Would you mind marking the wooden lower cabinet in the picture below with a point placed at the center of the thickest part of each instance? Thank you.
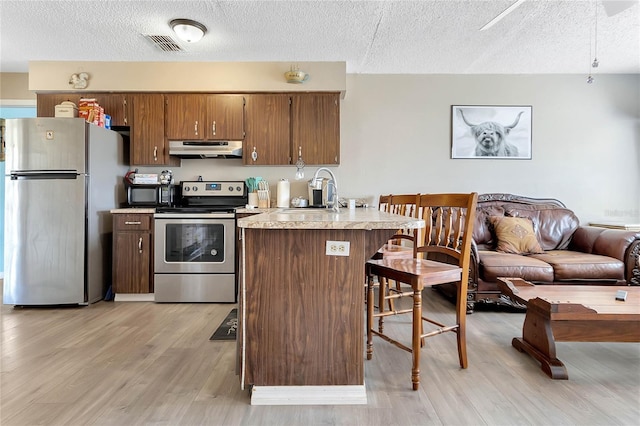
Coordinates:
(132, 253)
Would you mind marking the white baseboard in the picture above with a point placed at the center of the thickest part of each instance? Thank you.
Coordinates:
(309, 395)
(134, 297)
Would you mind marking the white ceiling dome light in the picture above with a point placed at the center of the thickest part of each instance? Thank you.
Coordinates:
(188, 30)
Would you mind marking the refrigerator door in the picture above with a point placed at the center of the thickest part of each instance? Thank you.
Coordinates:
(46, 144)
(44, 239)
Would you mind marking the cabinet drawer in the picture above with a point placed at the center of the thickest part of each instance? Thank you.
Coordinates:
(131, 222)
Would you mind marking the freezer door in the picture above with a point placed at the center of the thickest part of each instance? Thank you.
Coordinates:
(44, 240)
(46, 144)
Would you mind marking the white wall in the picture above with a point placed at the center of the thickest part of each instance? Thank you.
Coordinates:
(395, 137)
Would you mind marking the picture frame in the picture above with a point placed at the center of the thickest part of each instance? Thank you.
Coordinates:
(491, 131)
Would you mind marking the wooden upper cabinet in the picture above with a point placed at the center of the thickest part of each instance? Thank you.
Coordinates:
(46, 102)
(148, 145)
(184, 117)
(204, 117)
(225, 117)
(315, 126)
(114, 104)
(267, 140)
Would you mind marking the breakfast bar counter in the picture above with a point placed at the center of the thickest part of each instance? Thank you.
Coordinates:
(301, 302)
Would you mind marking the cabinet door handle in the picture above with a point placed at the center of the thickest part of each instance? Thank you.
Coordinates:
(140, 245)
(195, 127)
(133, 223)
(213, 128)
(254, 154)
(155, 153)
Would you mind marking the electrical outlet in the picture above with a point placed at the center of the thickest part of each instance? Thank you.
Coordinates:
(337, 248)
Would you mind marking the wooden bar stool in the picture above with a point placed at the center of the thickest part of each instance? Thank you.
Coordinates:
(400, 246)
(441, 255)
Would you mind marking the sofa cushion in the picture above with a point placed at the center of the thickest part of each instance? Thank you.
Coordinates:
(494, 264)
(515, 235)
(573, 265)
(553, 226)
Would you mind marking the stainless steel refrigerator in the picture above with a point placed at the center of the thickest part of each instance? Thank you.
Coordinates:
(63, 176)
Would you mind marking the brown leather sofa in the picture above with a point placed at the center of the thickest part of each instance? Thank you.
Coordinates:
(571, 253)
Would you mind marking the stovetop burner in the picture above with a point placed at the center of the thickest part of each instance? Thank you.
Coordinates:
(198, 197)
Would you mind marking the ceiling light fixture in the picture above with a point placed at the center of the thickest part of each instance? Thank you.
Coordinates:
(188, 30)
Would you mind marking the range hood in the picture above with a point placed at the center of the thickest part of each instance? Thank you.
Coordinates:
(206, 149)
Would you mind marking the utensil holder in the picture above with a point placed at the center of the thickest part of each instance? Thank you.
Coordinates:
(264, 199)
(253, 199)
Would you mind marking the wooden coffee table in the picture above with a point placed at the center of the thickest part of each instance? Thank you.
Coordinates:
(571, 313)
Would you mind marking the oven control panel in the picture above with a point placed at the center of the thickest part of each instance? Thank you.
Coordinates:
(228, 188)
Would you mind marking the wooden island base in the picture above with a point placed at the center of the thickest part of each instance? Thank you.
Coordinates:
(301, 305)
(571, 313)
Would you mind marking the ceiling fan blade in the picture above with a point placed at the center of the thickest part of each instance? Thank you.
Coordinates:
(504, 13)
(613, 7)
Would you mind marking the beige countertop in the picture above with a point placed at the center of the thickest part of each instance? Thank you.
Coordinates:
(360, 218)
(254, 210)
(134, 210)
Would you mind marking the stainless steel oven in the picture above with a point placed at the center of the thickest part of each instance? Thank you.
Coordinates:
(194, 250)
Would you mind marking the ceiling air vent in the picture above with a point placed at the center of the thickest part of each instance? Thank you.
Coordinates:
(164, 43)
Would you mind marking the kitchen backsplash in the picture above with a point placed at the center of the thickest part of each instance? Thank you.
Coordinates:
(231, 169)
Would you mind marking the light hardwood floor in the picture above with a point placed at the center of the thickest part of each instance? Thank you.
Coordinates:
(138, 363)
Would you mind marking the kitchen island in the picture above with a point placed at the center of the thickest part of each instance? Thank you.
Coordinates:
(301, 302)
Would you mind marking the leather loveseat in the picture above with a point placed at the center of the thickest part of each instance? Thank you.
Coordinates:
(565, 253)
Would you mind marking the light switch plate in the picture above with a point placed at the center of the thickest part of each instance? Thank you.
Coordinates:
(337, 248)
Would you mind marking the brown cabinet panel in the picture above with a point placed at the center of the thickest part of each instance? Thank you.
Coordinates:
(315, 126)
(185, 116)
(204, 117)
(285, 304)
(148, 144)
(225, 117)
(267, 130)
(131, 222)
(132, 253)
(46, 102)
(114, 104)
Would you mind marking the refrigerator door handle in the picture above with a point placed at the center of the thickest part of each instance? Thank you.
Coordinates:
(38, 175)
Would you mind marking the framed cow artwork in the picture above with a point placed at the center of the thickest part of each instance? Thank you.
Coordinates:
(491, 132)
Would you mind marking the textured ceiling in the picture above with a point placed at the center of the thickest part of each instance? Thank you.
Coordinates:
(372, 37)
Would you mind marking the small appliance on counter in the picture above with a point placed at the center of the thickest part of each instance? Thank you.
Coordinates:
(144, 189)
(320, 193)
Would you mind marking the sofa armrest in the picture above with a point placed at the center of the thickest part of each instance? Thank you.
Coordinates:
(617, 243)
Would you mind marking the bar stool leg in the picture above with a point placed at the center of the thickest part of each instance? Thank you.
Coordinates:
(416, 340)
(369, 316)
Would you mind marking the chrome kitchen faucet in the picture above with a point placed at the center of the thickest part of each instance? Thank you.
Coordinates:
(333, 202)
